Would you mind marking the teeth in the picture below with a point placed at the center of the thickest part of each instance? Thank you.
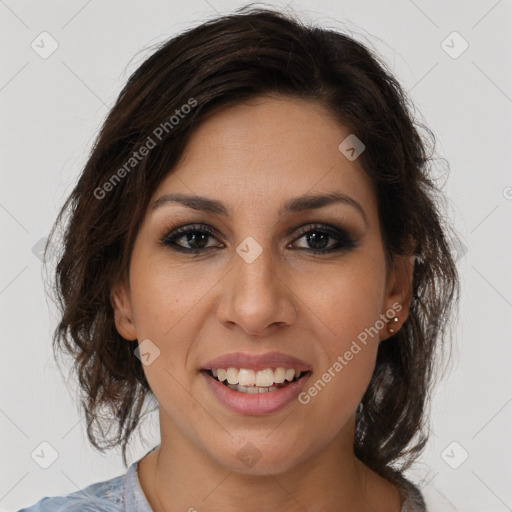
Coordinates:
(279, 375)
(290, 375)
(251, 389)
(264, 378)
(248, 378)
(232, 375)
(257, 379)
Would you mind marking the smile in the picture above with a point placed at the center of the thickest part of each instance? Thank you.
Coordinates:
(261, 381)
(254, 399)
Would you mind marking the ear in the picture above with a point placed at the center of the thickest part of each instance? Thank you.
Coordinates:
(123, 312)
(398, 296)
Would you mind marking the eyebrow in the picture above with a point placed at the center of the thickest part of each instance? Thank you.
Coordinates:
(296, 204)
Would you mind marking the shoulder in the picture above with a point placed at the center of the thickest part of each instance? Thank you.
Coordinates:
(105, 496)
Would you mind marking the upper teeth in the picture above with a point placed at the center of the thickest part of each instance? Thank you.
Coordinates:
(260, 378)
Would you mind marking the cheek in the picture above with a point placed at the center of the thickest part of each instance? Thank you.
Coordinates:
(168, 306)
(349, 304)
(349, 299)
(160, 308)
(347, 356)
(166, 295)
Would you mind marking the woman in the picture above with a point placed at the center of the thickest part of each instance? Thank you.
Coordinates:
(254, 242)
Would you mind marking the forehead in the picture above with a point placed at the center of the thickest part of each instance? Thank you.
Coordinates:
(269, 148)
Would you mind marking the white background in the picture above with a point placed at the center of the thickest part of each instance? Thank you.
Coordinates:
(51, 110)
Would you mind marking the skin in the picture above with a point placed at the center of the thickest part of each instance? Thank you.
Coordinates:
(253, 157)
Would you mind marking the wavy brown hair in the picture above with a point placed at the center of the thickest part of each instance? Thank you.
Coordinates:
(229, 59)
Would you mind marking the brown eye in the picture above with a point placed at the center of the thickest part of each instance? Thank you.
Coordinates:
(318, 235)
(195, 236)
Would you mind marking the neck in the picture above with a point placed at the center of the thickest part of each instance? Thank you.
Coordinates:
(177, 476)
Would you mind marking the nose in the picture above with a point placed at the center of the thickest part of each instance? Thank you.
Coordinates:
(255, 296)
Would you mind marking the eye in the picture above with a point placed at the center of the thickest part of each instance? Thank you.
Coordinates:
(196, 235)
(316, 235)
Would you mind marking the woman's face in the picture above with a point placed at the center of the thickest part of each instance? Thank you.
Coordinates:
(255, 286)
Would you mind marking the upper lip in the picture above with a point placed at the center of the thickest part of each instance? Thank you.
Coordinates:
(257, 361)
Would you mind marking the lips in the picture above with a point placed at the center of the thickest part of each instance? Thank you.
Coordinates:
(257, 361)
(258, 403)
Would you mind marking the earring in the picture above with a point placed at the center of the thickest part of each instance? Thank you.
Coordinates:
(359, 408)
(391, 329)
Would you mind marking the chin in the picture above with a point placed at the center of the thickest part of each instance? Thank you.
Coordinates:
(253, 457)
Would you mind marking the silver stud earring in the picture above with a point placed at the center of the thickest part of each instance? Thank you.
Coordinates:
(391, 328)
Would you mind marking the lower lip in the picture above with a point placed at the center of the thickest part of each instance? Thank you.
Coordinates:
(255, 403)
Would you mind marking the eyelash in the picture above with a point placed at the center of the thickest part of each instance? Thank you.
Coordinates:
(345, 241)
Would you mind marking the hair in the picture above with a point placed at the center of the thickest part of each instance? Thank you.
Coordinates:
(225, 61)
